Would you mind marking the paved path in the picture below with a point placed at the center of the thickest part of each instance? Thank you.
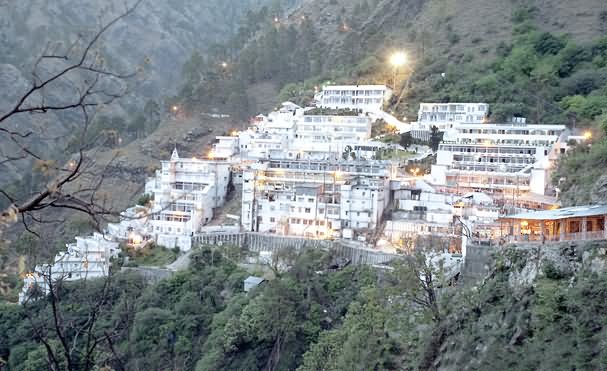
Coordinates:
(183, 262)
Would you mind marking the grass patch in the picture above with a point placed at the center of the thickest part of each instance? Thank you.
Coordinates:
(396, 155)
(152, 256)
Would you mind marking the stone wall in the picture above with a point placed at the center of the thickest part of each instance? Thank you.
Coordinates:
(259, 242)
(479, 259)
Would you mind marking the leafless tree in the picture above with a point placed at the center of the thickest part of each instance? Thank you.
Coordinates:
(91, 85)
(75, 339)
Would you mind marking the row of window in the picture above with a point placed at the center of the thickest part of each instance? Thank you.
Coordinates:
(453, 107)
(320, 223)
(366, 93)
(354, 101)
(496, 150)
(189, 186)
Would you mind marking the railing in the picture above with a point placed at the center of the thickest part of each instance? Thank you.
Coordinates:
(578, 236)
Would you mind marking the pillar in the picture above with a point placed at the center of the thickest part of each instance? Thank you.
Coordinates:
(542, 230)
(563, 224)
(584, 228)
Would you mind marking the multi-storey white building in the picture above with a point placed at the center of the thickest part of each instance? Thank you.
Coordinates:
(319, 199)
(296, 133)
(186, 192)
(88, 258)
(446, 116)
(513, 158)
(368, 98)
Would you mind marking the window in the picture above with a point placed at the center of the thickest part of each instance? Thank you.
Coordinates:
(310, 200)
(308, 210)
(272, 220)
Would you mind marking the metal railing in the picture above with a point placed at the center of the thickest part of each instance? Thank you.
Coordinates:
(578, 236)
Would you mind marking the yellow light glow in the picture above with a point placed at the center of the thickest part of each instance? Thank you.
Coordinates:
(224, 65)
(175, 108)
(398, 59)
(135, 238)
(211, 155)
(588, 135)
(337, 174)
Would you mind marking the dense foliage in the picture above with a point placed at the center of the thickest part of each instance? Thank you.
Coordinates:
(197, 319)
(314, 318)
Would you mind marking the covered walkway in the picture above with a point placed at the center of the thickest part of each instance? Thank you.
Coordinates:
(568, 224)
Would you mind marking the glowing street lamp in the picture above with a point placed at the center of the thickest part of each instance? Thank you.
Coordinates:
(175, 108)
(224, 65)
(397, 60)
(587, 135)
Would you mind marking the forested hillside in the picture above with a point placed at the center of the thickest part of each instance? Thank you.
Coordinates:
(545, 313)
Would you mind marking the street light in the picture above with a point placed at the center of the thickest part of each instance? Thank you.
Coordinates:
(587, 135)
(397, 60)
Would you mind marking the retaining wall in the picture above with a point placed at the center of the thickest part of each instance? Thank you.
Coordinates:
(258, 242)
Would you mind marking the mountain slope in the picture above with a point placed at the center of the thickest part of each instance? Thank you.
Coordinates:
(157, 38)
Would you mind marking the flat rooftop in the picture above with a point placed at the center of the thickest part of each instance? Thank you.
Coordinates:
(564, 213)
(355, 87)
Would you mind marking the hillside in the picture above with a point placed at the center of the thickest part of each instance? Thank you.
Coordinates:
(538, 309)
(156, 40)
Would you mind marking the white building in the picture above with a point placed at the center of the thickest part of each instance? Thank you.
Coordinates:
(186, 192)
(447, 116)
(506, 158)
(444, 115)
(133, 226)
(296, 133)
(88, 258)
(318, 199)
(225, 148)
(368, 98)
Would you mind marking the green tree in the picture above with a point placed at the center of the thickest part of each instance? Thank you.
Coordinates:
(406, 140)
(436, 137)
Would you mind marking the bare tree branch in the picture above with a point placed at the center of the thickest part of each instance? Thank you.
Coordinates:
(98, 86)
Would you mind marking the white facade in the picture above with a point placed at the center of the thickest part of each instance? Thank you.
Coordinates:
(88, 258)
(133, 226)
(315, 199)
(186, 193)
(293, 133)
(368, 98)
(226, 147)
(444, 115)
(513, 157)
